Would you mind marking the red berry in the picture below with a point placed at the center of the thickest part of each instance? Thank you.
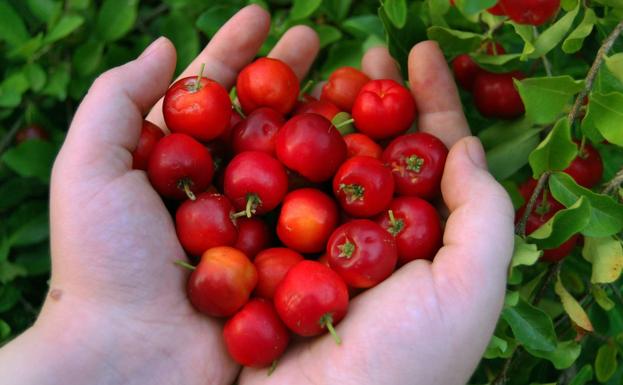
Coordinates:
(258, 131)
(311, 146)
(179, 164)
(311, 299)
(321, 107)
(222, 282)
(363, 186)
(200, 110)
(416, 226)
(495, 95)
(587, 168)
(417, 162)
(383, 109)
(465, 71)
(205, 223)
(361, 145)
(497, 10)
(532, 12)
(31, 131)
(150, 135)
(362, 253)
(343, 87)
(267, 83)
(255, 336)
(253, 236)
(272, 265)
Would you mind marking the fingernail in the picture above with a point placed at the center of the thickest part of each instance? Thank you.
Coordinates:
(475, 152)
(153, 47)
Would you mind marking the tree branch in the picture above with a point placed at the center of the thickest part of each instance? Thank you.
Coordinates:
(520, 229)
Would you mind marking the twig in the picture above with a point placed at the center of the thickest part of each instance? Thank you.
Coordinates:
(501, 378)
(546, 62)
(552, 271)
(592, 73)
(520, 229)
(9, 135)
(614, 183)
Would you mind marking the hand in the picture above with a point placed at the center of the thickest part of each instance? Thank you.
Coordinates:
(117, 305)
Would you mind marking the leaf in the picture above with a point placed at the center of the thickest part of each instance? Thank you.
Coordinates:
(556, 152)
(31, 158)
(572, 307)
(606, 255)
(471, 7)
(562, 357)
(57, 83)
(396, 11)
(12, 88)
(606, 214)
(34, 230)
(453, 41)
(116, 18)
(35, 75)
(212, 19)
(9, 271)
(363, 26)
(302, 9)
(583, 376)
(545, 98)
(606, 362)
(176, 27)
(573, 42)
(551, 37)
(524, 254)
(87, 57)
(531, 326)
(45, 10)
(9, 295)
(563, 225)
(615, 65)
(607, 113)
(337, 10)
(327, 34)
(601, 297)
(12, 27)
(67, 25)
(340, 54)
(5, 330)
(506, 158)
(499, 348)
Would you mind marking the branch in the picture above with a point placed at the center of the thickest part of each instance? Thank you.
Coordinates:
(614, 183)
(9, 135)
(520, 229)
(552, 271)
(592, 73)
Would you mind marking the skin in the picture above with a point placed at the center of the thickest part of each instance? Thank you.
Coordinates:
(117, 308)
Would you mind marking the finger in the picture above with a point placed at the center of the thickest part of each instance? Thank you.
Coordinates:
(478, 238)
(377, 63)
(235, 45)
(298, 48)
(439, 108)
(107, 124)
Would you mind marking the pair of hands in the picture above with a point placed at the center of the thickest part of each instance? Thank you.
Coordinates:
(117, 310)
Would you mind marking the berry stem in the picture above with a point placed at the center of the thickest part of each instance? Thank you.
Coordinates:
(346, 249)
(185, 184)
(198, 81)
(308, 86)
(184, 264)
(272, 368)
(327, 322)
(395, 225)
(581, 152)
(343, 123)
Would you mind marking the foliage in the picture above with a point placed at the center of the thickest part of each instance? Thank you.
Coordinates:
(561, 323)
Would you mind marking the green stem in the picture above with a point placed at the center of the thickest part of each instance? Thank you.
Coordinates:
(184, 264)
(185, 184)
(198, 81)
(327, 322)
(272, 368)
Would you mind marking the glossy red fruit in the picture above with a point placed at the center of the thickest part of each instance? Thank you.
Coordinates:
(272, 265)
(417, 162)
(222, 282)
(466, 69)
(179, 166)
(311, 299)
(343, 86)
(362, 253)
(150, 135)
(258, 131)
(587, 168)
(384, 109)
(495, 95)
(497, 10)
(31, 131)
(255, 336)
(532, 12)
(267, 83)
(415, 225)
(199, 109)
(363, 186)
(205, 223)
(253, 236)
(307, 219)
(311, 146)
(321, 107)
(226, 136)
(255, 182)
(361, 145)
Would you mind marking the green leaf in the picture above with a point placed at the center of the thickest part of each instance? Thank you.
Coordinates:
(9, 271)
(531, 326)
(453, 41)
(551, 37)
(45, 10)
(606, 255)
(176, 27)
(499, 348)
(364, 25)
(337, 10)
(12, 88)
(31, 158)
(606, 214)
(524, 254)
(9, 295)
(396, 11)
(563, 225)
(573, 43)
(607, 113)
(606, 362)
(36, 229)
(57, 83)
(302, 9)
(506, 158)
(572, 307)
(12, 27)
(556, 152)
(545, 98)
(583, 376)
(5, 330)
(87, 57)
(211, 20)
(602, 298)
(67, 25)
(615, 65)
(327, 34)
(340, 54)
(471, 7)
(116, 18)
(565, 354)
(36, 76)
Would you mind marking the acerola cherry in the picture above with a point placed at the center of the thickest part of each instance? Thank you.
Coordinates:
(253, 236)
(417, 161)
(587, 168)
(205, 222)
(199, 107)
(307, 219)
(311, 146)
(497, 10)
(495, 95)
(272, 265)
(222, 282)
(150, 135)
(361, 145)
(267, 83)
(258, 131)
(255, 336)
(321, 107)
(255, 182)
(466, 69)
(383, 109)
(343, 87)
(362, 253)
(532, 12)
(179, 166)
(31, 131)
(363, 186)
(311, 299)
(416, 226)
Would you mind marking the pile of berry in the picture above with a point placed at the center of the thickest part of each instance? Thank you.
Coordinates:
(347, 210)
